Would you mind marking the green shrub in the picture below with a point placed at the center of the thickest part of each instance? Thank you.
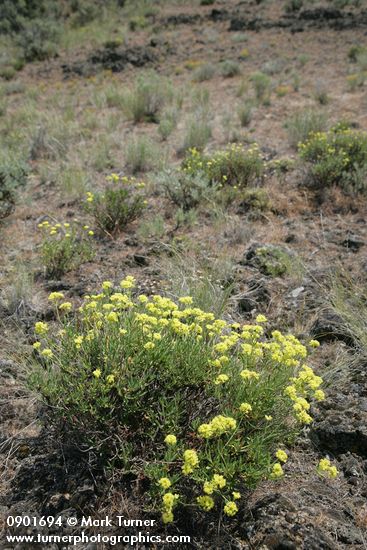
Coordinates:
(229, 69)
(337, 157)
(245, 113)
(236, 165)
(355, 51)
(119, 204)
(198, 132)
(141, 154)
(302, 124)
(147, 98)
(64, 247)
(261, 83)
(204, 72)
(200, 408)
(13, 173)
(184, 189)
(167, 123)
(38, 39)
(355, 81)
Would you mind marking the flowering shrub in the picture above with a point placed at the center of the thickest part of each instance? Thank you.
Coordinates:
(236, 165)
(119, 204)
(199, 407)
(336, 157)
(65, 246)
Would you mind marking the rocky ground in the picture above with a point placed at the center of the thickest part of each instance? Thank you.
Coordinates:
(324, 236)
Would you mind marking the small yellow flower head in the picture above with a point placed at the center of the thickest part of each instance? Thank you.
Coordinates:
(67, 235)
(236, 495)
(122, 331)
(128, 282)
(167, 516)
(110, 379)
(106, 285)
(170, 439)
(191, 461)
(245, 408)
(205, 502)
(247, 374)
(169, 499)
(41, 328)
(65, 306)
(47, 353)
(230, 509)
(325, 468)
(261, 319)
(319, 395)
(66, 225)
(281, 455)
(221, 379)
(91, 233)
(149, 345)
(219, 481)
(268, 417)
(112, 317)
(37, 345)
(90, 197)
(97, 373)
(186, 300)
(314, 343)
(208, 488)
(165, 483)
(277, 471)
(78, 340)
(54, 296)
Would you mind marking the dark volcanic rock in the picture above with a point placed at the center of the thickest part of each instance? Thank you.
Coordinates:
(114, 59)
(257, 295)
(330, 326)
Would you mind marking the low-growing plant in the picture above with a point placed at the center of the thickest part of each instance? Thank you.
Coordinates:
(141, 154)
(118, 204)
(303, 123)
(261, 83)
(337, 157)
(355, 81)
(235, 165)
(204, 72)
(185, 189)
(229, 69)
(203, 409)
(147, 98)
(254, 200)
(198, 132)
(167, 123)
(13, 173)
(65, 246)
(245, 112)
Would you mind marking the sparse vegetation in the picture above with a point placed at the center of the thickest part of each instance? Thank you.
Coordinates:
(64, 247)
(303, 123)
(119, 204)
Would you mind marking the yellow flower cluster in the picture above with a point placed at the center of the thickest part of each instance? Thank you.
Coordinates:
(217, 482)
(230, 509)
(169, 500)
(325, 467)
(305, 384)
(191, 461)
(218, 426)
